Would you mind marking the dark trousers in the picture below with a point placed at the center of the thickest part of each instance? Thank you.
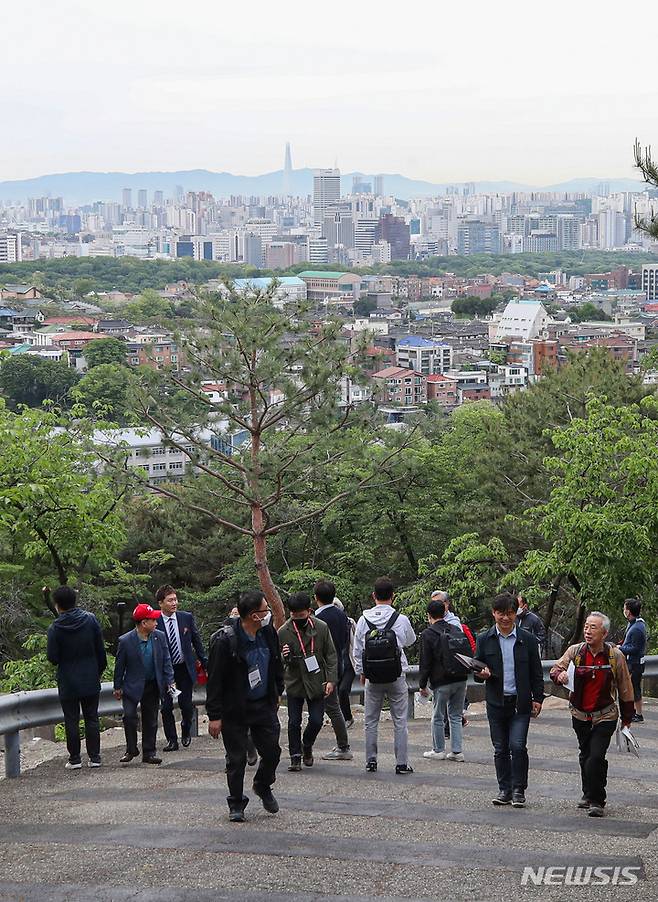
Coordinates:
(636, 672)
(509, 735)
(593, 742)
(185, 684)
(71, 708)
(149, 704)
(313, 727)
(260, 720)
(344, 687)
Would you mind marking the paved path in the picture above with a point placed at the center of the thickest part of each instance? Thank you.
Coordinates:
(137, 833)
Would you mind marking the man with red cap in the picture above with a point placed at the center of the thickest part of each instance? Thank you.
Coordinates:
(143, 673)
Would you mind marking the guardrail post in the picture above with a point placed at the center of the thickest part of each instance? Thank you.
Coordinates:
(12, 755)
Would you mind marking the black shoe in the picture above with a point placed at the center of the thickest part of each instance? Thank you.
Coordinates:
(637, 718)
(128, 757)
(252, 758)
(307, 757)
(371, 766)
(584, 803)
(518, 799)
(269, 802)
(152, 759)
(185, 741)
(503, 798)
(236, 810)
(403, 769)
(295, 763)
(171, 747)
(596, 810)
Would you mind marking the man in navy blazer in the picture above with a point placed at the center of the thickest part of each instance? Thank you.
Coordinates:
(514, 694)
(142, 676)
(185, 646)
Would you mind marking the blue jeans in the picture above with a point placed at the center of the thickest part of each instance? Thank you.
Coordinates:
(448, 698)
(509, 735)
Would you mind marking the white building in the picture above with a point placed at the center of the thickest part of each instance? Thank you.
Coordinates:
(326, 191)
(10, 248)
(650, 281)
(424, 355)
(521, 319)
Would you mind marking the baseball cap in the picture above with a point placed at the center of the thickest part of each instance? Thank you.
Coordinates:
(145, 612)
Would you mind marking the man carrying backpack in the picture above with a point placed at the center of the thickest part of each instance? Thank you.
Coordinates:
(381, 635)
(447, 677)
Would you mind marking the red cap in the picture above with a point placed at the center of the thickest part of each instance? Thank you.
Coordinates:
(145, 612)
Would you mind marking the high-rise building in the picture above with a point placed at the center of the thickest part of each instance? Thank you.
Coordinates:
(158, 198)
(395, 231)
(253, 250)
(378, 186)
(326, 191)
(318, 251)
(568, 233)
(477, 237)
(649, 279)
(287, 172)
(127, 198)
(142, 198)
(10, 248)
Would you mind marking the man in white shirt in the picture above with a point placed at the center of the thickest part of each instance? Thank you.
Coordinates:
(378, 618)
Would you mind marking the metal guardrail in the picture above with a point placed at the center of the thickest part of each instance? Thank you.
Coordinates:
(25, 710)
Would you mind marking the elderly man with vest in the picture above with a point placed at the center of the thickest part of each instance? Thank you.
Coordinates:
(600, 680)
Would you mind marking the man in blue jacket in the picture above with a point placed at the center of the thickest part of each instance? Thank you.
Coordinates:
(75, 645)
(185, 647)
(514, 694)
(634, 648)
(142, 676)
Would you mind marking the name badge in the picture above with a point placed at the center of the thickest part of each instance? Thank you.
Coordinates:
(254, 678)
(312, 664)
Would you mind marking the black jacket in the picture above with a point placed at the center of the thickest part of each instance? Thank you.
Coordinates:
(75, 645)
(533, 624)
(527, 669)
(430, 669)
(226, 690)
(339, 627)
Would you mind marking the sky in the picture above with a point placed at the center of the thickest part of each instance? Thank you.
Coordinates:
(453, 91)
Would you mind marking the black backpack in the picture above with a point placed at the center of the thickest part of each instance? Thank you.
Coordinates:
(452, 641)
(382, 658)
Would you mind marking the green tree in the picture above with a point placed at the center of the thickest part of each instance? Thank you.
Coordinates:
(82, 287)
(31, 380)
(105, 391)
(55, 507)
(589, 312)
(601, 518)
(285, 384)
(474, 306)
(105, 350)
(149, 307)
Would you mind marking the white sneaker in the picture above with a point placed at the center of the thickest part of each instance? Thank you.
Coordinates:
(91, 763)
(71, 766)
(455, 756)
(432, 754)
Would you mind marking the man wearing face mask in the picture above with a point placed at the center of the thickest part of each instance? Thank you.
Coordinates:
(245, 681)
(529, 621)
(310, 661)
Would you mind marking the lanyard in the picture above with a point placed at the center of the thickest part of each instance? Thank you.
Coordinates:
(301, 641)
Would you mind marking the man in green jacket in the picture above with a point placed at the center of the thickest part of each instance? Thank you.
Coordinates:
(310, 674)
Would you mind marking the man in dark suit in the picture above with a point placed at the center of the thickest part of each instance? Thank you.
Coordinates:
(339, 627)
(142, 676)
(514, 694)
(75, 645)
(185, 646)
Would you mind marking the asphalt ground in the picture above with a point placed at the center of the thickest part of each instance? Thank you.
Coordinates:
(143, 833)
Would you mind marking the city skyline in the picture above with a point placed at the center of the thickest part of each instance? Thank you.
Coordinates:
(458, 95)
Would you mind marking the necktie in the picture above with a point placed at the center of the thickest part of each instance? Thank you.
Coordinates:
(173, 643)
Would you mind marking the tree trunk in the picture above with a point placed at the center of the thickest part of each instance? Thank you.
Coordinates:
(578, 627)
(263, 569)
(552, 598)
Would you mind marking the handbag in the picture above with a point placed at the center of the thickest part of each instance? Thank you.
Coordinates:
(201, 675)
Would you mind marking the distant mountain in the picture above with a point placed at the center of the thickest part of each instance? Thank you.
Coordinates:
(87, 187)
